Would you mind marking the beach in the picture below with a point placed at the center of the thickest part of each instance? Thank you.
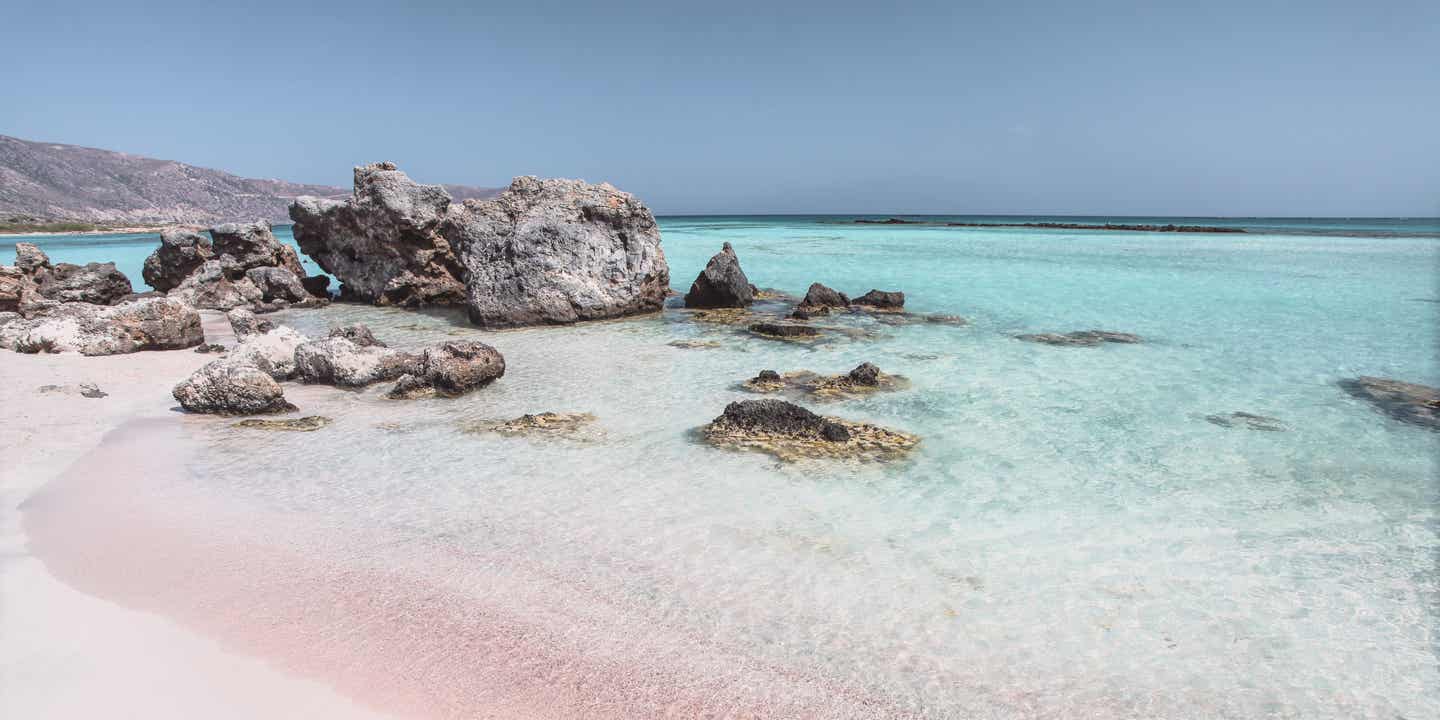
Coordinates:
(1072, 537)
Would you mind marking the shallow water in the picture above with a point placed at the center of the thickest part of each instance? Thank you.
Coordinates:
(1070, 539)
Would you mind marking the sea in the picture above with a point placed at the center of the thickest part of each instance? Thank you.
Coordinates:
(1072, 538)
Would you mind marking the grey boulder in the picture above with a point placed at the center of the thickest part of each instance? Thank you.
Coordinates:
(90, 329)
(721, 284)
(97, 283)
(452, 369)
(277, 283)
(340, 362)
(181, 253)
(231, 386)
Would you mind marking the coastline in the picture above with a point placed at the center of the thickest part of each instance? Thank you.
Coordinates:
(69, 654)
(126, 230)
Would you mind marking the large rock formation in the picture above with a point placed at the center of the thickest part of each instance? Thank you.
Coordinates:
(253, 245)
(544, 251)
(721, 284)
(89, 329)
(384, 243)
(181, 252)
(245, 266)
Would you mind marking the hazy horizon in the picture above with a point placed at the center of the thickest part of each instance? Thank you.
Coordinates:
(1232, 110)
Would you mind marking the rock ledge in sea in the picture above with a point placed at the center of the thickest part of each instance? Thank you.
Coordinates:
(790, 432)
(544, 423)
(1406, 402)
(1081, 338)
(865, 379)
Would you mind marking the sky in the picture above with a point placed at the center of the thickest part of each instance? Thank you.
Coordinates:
(1214, 108)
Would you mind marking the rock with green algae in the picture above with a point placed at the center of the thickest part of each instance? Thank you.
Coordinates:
(545, 423)
(864, 380)
(309, 423)
(790, 432)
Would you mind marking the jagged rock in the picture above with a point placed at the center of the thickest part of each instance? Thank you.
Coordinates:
(358, 334)
(791, 432)
(1248, 421)
(783, 330)
(451, 369)
(317, 285)
(277, 283)
(865, 374)
(384, 244)
(1406, 402)
(14, 286)
(1082, 338)
(244, 323)
(309, 423)
(231, 386)
(545, 423)
(218, 284)
(95, 283)
(180, 254)
(768, 376)
(272, 351)
(881, 300)
(30, 259)
(338, 361)
(252, 245)
(90, 329)
(722, 284)
(558, 251)
(819, 296)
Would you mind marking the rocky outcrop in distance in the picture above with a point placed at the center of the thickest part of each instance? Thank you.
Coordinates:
(541, 252)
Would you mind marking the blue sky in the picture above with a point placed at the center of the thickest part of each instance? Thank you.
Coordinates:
(1218, 108)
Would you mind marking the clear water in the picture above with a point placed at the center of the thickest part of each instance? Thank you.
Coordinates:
(1071, 538)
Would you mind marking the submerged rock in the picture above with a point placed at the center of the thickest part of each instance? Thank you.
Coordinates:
(1406, 402)
(863, 380)
(340, 362)
(1248, 421)
(1082, 338)
(790, 432)
(231, 386)
(451, 369)
(881, 300)
(181, 253)
(545, 423)
(90, 329)
(86, 390)
(722, 284)
(309, 423)
(695, 344)
(784, 330)
(95, 283)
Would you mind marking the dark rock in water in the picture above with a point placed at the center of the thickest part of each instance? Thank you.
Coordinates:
(90, 329)
(208, 348)
(819, 296)
(777, 417)
(231, 386)
(451, 369)
(340, 362)
(253, 245)
(384, 243)
(542, 252)
(889, 221)
(30, 259)
(317, 285)
(1406, 402)
(881, 300)
(86, 390)
(359, 334)
(1248, 421)
(545, 423)
(1083, 338)
(721, 284)
(95, 283)
(783, 330)
(791, 432)
(940, 319)
(180, 254)
(804, 312)
(309, 423)
(277, 283)
(768, 376)
(865, 374)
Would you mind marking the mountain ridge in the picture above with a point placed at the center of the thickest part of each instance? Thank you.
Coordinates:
(57, 182)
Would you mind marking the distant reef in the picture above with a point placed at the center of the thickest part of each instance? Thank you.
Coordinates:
(49, 187)
(1060, 226)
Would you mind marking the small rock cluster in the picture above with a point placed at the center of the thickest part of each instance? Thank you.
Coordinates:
(240, 265)
(790, 432)
(865, 379)
(247, 380)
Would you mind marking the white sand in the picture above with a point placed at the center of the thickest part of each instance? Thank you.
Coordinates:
(64, 654)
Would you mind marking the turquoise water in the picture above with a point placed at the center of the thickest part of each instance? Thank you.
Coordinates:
(1071, 538)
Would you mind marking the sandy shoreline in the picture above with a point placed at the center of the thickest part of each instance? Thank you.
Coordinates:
(66, 654)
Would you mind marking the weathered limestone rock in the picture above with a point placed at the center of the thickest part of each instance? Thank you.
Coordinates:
(881, 300)
(790, 432)
(384, 244)
(253, 245)
(273, 351)
(1406, 402)
(96, 283)
(90, 329)
(317, 285)
(558, 251)
(231, 386)
(277, 283)
(218, 284)
(14, 285)
(309, 423)
(340, 362)
(358, 333)
(181, 253)
(30, 259)
(542, 424)
(244, 323)
(451, 369)
(721, 284)
(819, 296)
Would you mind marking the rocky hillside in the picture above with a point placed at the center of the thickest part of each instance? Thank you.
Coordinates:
(50, 182)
